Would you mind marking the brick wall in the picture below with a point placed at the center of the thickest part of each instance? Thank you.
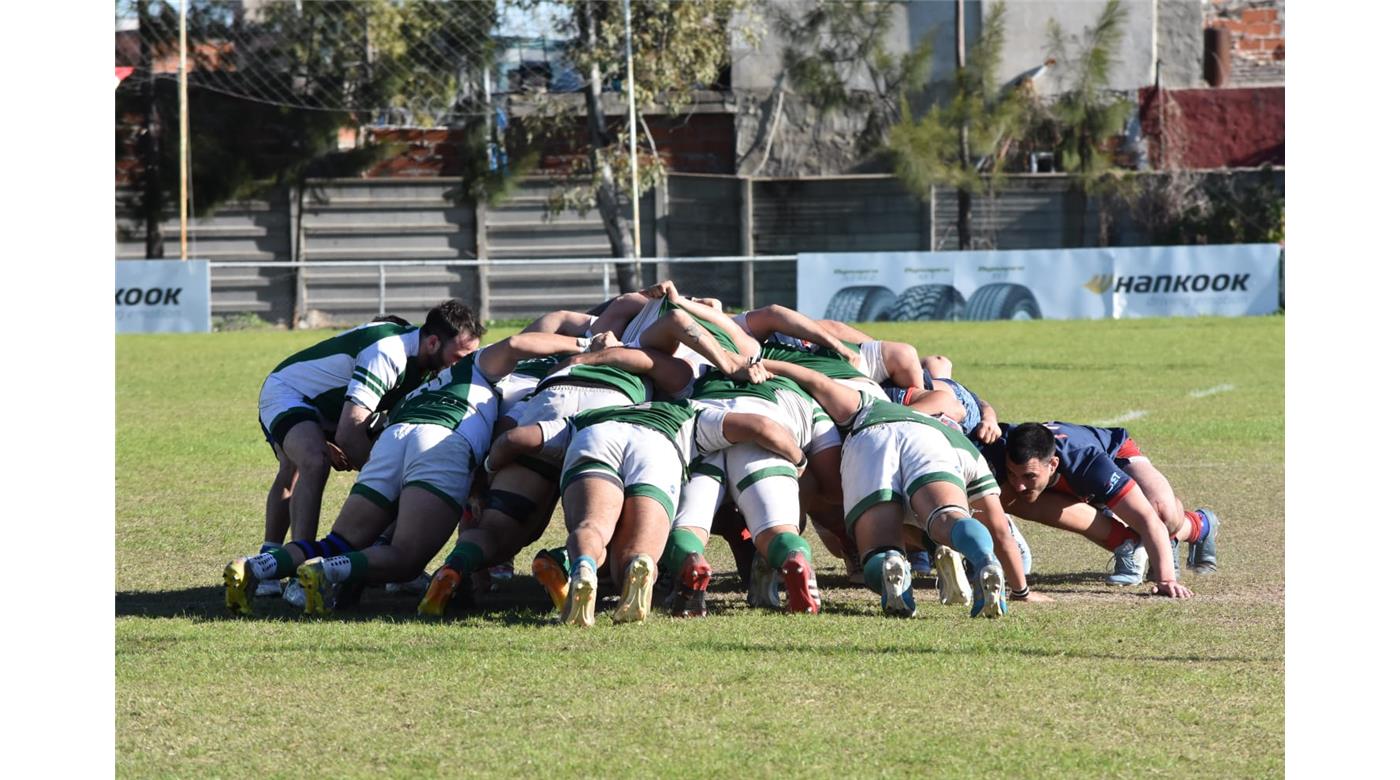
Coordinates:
(1256, 30)
(1214, 128)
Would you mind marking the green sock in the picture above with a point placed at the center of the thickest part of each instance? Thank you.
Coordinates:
(678, 545)
(465, 558)
(285, 566)
(783, 545)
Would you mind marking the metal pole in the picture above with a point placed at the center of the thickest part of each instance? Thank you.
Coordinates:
(632, 125)
(381, 289)
(606, 284)
(184, 140)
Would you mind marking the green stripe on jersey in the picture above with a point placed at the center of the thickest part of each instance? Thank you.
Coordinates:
(370, 380)
(821, 360)
(667, 417)
(626, 383)
(540, 368)
(715, 330)
(351, 342)
(878, 412)
(448, 404)
(714, 384)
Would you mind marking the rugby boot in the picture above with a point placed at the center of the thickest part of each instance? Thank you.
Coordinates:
(689, 597)
(268, 589)
(989, 592)
(441, 589)
(897, 591)
(239, 585)
(800, 579)
(952, 576)
(581, 598)
(549, 570)
(1129, 563)
(1200, 555)
(763, 585)
(320, 592)
(293, 594)
(414, 587)
(637, 580)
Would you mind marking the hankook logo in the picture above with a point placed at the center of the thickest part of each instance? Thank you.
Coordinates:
(1099, 283)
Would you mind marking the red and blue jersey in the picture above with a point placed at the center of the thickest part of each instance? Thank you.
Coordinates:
(1091, 461)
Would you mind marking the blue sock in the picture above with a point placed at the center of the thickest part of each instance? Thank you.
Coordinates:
(1205, 525)
(874, 569)
(974, 541)
(581, 560)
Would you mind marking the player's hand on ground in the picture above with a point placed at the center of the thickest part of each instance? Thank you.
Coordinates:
(986, 433)
(337, 456)
(1171, 589)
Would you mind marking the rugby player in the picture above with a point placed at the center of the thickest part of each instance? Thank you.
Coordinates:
(765, 490)
(895, 460)
(315, 406)
(419, 472)
(524, 489)
(1063, 475)
(623, 472)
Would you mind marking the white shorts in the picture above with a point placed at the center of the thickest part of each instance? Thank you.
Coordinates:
(640, 460)
(280, 406)
(513, 390)
(762, 485)
(558, 401)
(889, 462)
(872, 361)
(427, 456)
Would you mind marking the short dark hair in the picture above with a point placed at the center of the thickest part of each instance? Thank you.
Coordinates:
(449, 318)
(1029, 440)
(394, 318)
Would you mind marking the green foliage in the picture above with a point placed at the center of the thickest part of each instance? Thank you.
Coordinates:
(833, 44)
(677, 47)
(927, 150)
(1087, 115)
(1233, 210)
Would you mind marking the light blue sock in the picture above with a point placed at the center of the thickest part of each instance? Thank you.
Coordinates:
(974, 541)
(582, 560)
(874, 569)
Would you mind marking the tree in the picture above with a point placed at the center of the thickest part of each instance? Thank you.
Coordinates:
(836, 60)
(677, 47)
(980, 121)
(270, 91)
(1088, 116)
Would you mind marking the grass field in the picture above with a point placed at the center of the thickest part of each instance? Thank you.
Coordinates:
(1105, 682)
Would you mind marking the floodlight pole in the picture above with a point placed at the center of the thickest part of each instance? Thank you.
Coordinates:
(184, 139)
(632, 124)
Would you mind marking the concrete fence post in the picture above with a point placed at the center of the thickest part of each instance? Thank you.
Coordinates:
(746, 242)
(483, 274)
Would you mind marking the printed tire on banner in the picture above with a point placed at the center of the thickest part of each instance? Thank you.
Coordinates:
(1002, 301)
(865, 303)
(928, 302)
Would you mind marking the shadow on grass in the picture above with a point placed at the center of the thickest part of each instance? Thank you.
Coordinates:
(1008, 649)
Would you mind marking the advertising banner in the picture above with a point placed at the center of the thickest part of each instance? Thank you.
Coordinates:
(163, 296)
(1113, 282)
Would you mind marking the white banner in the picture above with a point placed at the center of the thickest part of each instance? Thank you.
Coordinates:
(1056, 284)
(163, 296)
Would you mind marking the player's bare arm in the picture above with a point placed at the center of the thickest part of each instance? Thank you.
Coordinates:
(742, 428)
(839, 401)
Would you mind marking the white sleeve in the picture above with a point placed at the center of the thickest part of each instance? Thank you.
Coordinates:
(709, 430)
(557, 435)
(376, 372)
(742, 320)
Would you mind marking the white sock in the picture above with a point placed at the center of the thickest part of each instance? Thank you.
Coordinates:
(264, 566)
(337, 569)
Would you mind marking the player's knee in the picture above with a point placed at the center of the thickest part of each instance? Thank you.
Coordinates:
(313, 462)
(518, 508)
(946, 514)
(939, 366)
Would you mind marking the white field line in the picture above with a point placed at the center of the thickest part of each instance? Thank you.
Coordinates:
(1136, 414)
(1211, 391)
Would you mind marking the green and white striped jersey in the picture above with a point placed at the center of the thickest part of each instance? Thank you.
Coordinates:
(461, 398)
(779, 398)
(636, 388)
(361, 365)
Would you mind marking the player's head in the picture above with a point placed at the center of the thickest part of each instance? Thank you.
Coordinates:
(1030, 460)
(394, 318)
(450, 333)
